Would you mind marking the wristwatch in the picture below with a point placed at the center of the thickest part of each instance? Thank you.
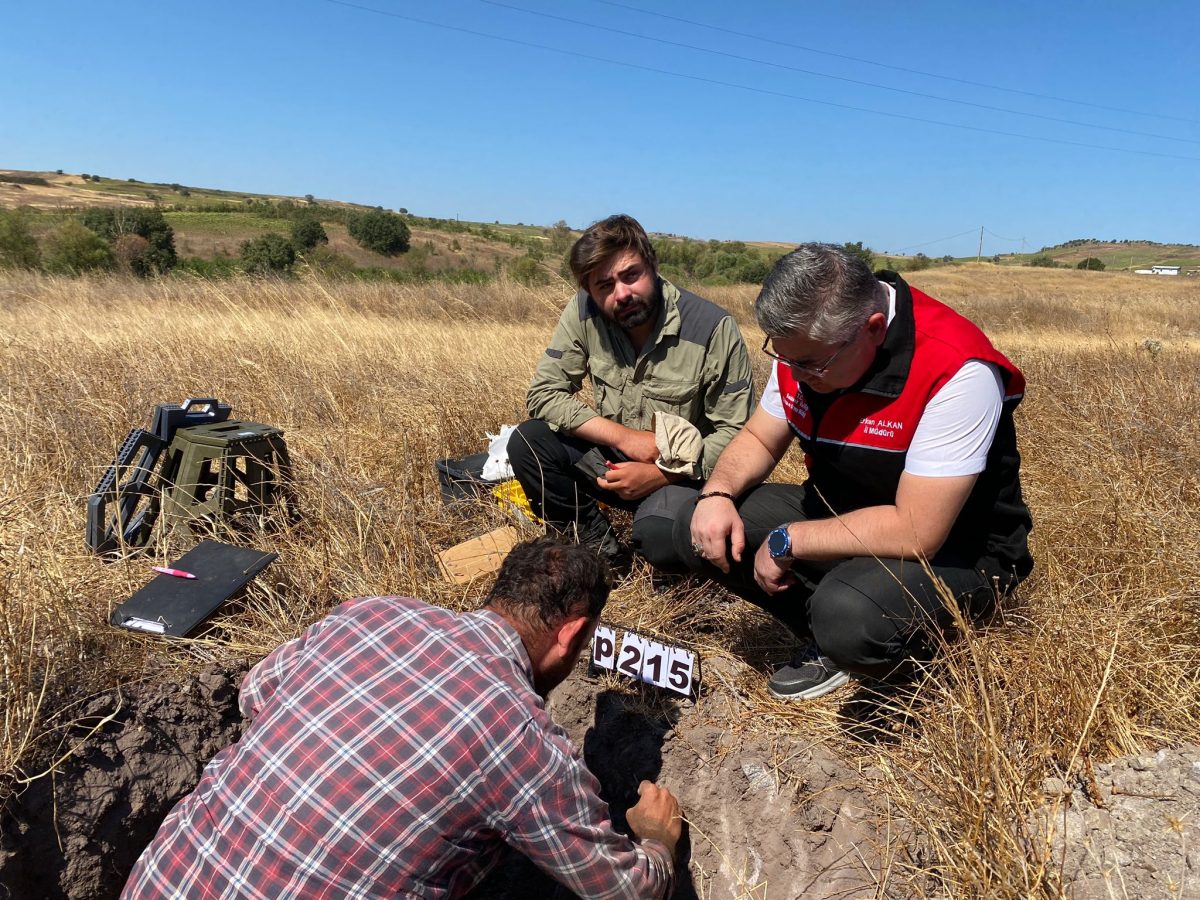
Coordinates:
(779, 542)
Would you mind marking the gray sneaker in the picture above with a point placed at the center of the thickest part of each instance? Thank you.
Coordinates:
(809, 675)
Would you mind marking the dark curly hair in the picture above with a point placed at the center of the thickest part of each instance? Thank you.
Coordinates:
(547, 580)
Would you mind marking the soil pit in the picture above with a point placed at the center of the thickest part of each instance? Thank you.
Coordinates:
(767, 819)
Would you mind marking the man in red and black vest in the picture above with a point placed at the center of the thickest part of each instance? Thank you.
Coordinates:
(904, 411)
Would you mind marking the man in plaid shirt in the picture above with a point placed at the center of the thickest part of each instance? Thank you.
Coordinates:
(395, 748)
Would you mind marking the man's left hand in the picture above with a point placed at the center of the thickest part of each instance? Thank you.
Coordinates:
(632, 480)
(773, 575)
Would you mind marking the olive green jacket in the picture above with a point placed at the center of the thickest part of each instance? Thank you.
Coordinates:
(693, 365)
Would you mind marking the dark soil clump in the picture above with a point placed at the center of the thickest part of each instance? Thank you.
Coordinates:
(77, 832)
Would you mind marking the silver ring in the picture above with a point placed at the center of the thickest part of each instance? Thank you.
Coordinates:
(698, 549)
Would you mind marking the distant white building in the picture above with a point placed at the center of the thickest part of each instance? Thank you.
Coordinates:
(1158, 270)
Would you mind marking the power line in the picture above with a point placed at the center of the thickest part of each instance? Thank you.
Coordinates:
(938, 241)
(871, 62)
(757, 90)
(1002, 237)
(819, 74)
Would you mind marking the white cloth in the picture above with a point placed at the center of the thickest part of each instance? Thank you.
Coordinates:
(497, 467)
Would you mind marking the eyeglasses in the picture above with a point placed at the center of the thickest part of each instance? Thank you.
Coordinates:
(806, 368)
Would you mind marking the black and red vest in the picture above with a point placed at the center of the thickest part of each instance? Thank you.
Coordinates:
(855, 441)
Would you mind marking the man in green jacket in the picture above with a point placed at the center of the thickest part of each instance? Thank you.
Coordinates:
(671, 386)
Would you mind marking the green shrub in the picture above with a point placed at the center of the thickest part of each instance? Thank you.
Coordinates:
(329, 263)
(217, 267)
(753, 271)
(159, 256)
(129, 252)
(268, 254)
(1091, 264)
(73, 248)
(381, 231)
(714, 262)
(527, 270)
(23, 179)
(1043, 261)
(916, 263)
(18, 246)
(307, 233)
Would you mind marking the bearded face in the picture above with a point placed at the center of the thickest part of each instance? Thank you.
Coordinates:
(626, 290)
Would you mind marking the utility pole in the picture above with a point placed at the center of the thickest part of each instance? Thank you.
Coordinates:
(979, 253)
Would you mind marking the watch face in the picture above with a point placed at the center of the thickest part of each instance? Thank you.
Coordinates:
(778, 543)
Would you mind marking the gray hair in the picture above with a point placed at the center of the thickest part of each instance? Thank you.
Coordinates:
(820, 291)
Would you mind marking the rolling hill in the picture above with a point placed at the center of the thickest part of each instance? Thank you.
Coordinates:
(211, 224)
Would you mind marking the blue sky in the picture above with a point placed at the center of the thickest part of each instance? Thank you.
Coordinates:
(734, 130)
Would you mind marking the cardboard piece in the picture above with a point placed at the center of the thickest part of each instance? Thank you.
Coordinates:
(173, 606)
(479, 556)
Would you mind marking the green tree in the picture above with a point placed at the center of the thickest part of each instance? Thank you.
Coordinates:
(159, 256)
(863, 253)
(1091, 264)
(919, 262)
(73, 248)
(268, 254)
(307, 233)
(381, 231)
(560, 236)
(18, 246)
(1042, 261)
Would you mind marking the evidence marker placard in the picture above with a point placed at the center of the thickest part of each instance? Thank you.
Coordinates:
(642, 659)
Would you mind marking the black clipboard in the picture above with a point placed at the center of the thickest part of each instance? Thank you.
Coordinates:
(173, 606)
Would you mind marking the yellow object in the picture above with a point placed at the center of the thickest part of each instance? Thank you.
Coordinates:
(511, 497)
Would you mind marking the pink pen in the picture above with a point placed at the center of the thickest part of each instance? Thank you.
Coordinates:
(178, 573)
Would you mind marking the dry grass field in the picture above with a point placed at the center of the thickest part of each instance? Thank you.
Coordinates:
(1100, 657)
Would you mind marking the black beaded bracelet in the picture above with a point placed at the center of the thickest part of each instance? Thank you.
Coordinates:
(708, 494)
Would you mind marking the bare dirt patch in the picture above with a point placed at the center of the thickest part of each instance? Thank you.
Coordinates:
(63, 191)
(767, 818)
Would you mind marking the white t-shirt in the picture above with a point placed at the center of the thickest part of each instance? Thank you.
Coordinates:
(959, 422)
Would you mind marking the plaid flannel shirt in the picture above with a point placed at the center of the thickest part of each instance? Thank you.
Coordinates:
(394, 749)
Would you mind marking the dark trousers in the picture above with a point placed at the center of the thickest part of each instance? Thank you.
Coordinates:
(868, 615)
(543, 461)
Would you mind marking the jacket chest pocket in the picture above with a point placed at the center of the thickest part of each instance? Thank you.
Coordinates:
(608, 384)
(678, 397)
